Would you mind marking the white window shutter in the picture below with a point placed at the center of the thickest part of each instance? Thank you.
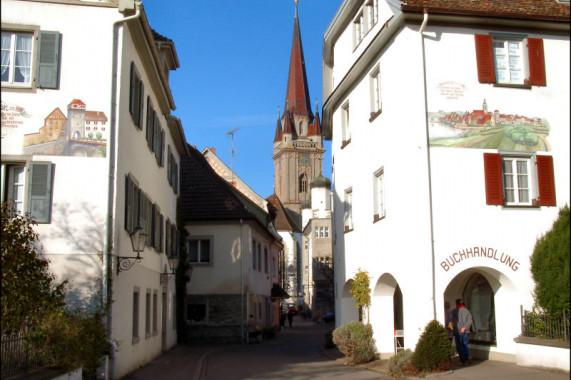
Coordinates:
(40, 191)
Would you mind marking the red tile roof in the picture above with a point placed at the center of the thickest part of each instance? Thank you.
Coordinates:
(528, 9)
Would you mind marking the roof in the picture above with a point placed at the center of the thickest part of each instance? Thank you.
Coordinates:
(297, 95)
(284, 221)
(528, 9)
(205, 196)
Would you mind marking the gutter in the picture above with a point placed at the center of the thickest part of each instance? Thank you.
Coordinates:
(108, 249)
(421, 33)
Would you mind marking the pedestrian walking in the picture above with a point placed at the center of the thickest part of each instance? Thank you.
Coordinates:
(282, 317)
(462, 320)
(290, 317)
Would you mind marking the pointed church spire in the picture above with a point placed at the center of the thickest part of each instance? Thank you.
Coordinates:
(315, 128)
(297, 94)
(278, 136)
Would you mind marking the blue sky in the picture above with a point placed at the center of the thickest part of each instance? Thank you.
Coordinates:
(234, 60)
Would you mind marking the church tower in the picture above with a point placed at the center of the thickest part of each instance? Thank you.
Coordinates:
(298, 145)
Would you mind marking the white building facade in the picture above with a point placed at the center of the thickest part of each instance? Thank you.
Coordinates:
(90, 149)
(450, 150)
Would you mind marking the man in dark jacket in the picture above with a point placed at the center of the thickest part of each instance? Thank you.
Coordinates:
(462, 320)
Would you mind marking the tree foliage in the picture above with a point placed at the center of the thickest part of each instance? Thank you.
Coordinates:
(550, 267)
(360, 290)
(29, 290)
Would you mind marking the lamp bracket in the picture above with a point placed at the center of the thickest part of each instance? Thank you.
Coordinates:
(124, 263)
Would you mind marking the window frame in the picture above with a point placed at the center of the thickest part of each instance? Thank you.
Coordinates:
(541, 179)
(37, 188)
(379, 207)
(375, 93)
(199, 239)
(136, 315)
(532, 60)
(348, 223)
(345, 128)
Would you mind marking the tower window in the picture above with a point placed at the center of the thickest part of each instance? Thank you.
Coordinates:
(303, 183)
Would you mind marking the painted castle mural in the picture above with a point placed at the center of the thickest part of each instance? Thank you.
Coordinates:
(80, 132)
(484, 129)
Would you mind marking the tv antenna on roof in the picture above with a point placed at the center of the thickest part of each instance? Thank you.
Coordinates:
(231, 134)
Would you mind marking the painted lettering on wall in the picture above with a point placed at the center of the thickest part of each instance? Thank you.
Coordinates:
(479, 253)
(451, 90)
(12, 115)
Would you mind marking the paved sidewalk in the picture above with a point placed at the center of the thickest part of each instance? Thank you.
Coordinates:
(189, 361)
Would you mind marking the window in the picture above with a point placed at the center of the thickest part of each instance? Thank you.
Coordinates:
(199, 250)
(479, 298)
(136, 316)
(148, 315)
(254, 262)
(326, 232)
(273, 266)
(172, 239)
(372, 12)
(17, 58)
(358, 29)
(266, 260)
(35, 196)
(136, 97)
(519, 180)
(154, 134)
(345, 133)
(172, 170)
(259, 257)
(348, 216)
(375, 83)
(513, 60)
(379, 194)
(17, 52)
(197, 310)
(155, 307)
(303, 183)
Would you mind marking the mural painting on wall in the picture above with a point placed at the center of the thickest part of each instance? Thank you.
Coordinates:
(80, 132)
(485, 128)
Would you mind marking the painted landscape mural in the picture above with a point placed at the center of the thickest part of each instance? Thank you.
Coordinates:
(80, 132)
(484, 129)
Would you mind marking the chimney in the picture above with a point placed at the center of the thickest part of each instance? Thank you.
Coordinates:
(213, 150)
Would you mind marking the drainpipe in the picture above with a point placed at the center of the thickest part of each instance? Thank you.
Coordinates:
(421, 31)
(108, 249)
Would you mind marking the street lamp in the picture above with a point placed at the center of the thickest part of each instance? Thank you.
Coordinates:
(138, 242)
(173, 262)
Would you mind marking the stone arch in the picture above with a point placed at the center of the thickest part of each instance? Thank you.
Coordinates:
(387, 297)
(347, 305)
(493, 300)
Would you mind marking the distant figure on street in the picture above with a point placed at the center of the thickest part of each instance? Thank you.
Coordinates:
(290, 317)
(462, 320)
(448, 323)
(282, 317)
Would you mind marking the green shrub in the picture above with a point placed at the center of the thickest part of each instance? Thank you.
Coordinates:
(329, 339)
(355, 341)
(433, 348)
(401, 364)
(70, 340)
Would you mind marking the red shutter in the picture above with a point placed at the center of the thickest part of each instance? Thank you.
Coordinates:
(536, 62)
(493, 177)
(485, 58)
(545, 180)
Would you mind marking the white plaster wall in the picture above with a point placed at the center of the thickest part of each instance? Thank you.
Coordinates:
(396, 140)
(530, 355)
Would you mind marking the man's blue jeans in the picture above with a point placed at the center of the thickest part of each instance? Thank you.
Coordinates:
(462, 346)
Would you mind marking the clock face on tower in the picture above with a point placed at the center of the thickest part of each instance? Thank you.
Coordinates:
(304, 159)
